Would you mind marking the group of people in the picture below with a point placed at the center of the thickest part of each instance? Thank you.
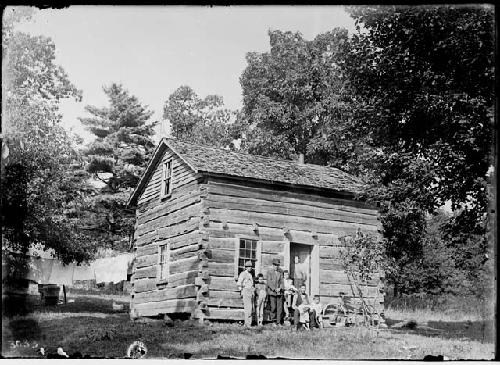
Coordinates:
(282, 293)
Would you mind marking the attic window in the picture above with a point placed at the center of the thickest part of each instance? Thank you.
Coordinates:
(166, 180)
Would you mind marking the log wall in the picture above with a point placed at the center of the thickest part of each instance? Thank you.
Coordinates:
(174, 221)
(276, 218)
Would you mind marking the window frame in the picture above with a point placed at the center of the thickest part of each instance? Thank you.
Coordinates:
(167, 174)
(163, 265)
(237, 256)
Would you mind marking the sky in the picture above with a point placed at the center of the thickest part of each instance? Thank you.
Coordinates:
(153, 50)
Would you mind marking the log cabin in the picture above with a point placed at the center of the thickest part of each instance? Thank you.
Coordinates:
(201, 212)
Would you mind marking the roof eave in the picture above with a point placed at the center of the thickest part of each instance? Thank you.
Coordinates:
(344, 193)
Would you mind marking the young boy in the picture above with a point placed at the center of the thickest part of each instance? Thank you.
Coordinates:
(317, 311)
(301, 306)
(289, 291)
(260, 292)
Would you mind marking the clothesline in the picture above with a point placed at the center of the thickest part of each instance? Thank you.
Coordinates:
(104, 270)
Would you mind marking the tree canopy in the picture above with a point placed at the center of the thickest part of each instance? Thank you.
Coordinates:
(37, 152)
(425, 87)
(203, 121)
(296, 98)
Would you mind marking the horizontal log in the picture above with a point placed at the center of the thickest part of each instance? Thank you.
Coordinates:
(225, 314)
(147, 272)
(171, 219)
(224, 243)
(273, 246)
(330, 264)
(223, 283)
(164, 307)
(146, 250)
(183, 278)
(179, 195)
(148, 260)
(224, 294)
(291, 222)
(143, 285)
(223, 256)
(289, 209)
(269, 194)
(182, 228)
(149, 207)
(218, 269)
(184, 252)
(216, 231)
(225, 302)
(145, 239)
(184, 291)
(182, 240)
(168, 207)
(188, 264)
(330, 252)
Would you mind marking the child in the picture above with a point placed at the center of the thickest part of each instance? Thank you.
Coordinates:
(289, 291)
(260, 291)
(317, 311)
(301, 305)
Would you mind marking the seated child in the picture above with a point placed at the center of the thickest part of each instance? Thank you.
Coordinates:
(301, 306)
(317, 312)
(260, 297)
(304, 315)
(289, 291)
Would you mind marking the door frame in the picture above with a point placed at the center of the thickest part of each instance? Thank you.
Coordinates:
(313, 262)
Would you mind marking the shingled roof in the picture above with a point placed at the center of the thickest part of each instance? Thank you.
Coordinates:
(217, 161)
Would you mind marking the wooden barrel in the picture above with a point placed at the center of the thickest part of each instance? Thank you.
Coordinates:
(50, 293)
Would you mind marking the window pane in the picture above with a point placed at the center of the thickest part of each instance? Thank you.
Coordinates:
(253, 254)
(242, 244)
(167, 186)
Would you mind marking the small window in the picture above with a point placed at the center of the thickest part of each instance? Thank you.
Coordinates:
(164, 258)
(247, 252)
(166, 179)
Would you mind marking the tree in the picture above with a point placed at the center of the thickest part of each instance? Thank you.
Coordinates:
(36, 150)
(117, 158)
(203, 121)
(423, 78)
(296, 99)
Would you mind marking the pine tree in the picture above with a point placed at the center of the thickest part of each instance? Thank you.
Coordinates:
(116, 158)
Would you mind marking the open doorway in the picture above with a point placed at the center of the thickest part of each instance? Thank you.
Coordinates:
(300, 265)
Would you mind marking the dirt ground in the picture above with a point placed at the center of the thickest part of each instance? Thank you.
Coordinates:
(89, 327)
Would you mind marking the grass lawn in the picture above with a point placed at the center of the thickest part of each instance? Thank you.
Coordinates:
(90, 326)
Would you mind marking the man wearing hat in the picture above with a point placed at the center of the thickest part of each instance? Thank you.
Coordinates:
(246, 288)
(275, 287)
